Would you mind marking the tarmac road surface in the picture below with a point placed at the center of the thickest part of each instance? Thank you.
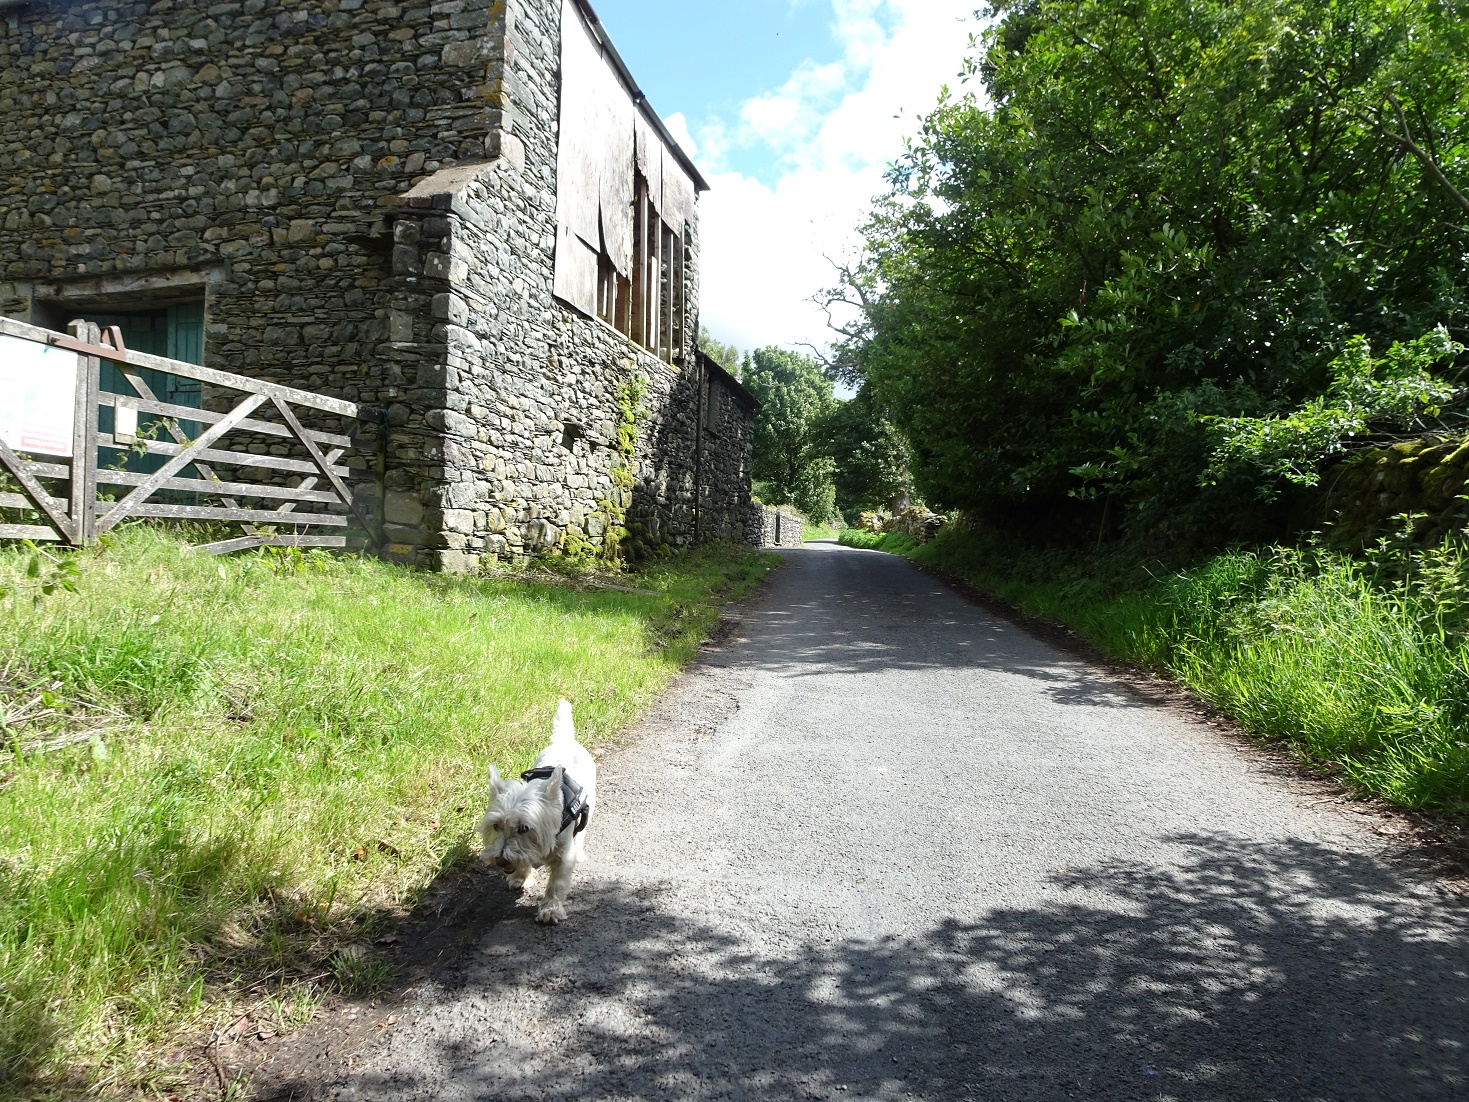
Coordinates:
(887, 845)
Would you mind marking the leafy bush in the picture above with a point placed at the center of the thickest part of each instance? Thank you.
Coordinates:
(1397, 390)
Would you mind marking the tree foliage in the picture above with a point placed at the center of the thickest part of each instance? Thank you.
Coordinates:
(1141, 216)
(795, 398)
(726, 356)
(869, 455)
(1397, 389)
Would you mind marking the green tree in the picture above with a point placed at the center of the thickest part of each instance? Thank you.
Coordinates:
(1398, 390)
(796, 398)
(1149, 216)
(869, 454)
(726, 356)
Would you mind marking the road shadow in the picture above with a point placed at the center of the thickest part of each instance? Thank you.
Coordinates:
(842, 610)
(1243, 970)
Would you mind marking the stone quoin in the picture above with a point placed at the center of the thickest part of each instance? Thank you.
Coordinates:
(462, 212)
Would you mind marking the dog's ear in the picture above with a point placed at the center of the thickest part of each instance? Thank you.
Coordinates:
(553, 786)
(496, 784)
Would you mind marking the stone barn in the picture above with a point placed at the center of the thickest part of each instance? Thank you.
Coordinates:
(463, 212)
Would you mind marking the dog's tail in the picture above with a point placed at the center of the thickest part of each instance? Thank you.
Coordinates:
(563, 730)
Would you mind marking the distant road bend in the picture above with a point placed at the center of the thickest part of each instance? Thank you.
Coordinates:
(886, 845)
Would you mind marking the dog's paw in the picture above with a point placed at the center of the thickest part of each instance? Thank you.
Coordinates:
(551, 914)
(517, 880)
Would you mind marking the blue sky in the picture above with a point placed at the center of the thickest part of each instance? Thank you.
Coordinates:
(792, 110)
(706, 60)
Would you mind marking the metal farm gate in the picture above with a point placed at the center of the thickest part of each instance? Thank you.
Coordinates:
(51, 435)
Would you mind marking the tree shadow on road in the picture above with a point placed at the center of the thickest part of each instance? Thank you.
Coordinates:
(1243, 970)
(869, 614)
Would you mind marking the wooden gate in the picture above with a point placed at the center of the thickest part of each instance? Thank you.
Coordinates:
(44, 444)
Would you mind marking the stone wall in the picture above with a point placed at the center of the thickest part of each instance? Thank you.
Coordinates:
(246, 153)
(772, 527)
(251, 149)
(726, 452)
(364, 193)
(523, 393)
(1363, 498)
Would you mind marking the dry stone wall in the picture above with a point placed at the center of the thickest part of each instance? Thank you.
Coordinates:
(249, 154)
(1366, 497)
(525, 394)
(772, 527)
(724, 458)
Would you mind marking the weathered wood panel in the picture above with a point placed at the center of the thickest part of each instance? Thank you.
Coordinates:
(54, 510)
(129, 505)
(220, 488)
(578, 157)
(209, 417)
(30, 532)
(650, 162)
(213, 455)
(617, 125)
(247, 543)
(47, 470)
(251, 516)
(679, 196)
(576, 271)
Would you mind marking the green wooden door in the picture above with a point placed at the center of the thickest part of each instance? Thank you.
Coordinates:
(177, 333)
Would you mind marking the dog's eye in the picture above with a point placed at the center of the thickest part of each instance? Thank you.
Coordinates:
(523, 829)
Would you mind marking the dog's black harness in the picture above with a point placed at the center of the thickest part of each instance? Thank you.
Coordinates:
(574, 807)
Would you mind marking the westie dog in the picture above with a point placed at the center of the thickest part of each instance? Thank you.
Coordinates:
(541, 819)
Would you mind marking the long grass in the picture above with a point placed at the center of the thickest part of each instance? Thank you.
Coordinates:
(895, 543)
(813, 531)
(277, 752)
(1361, 665)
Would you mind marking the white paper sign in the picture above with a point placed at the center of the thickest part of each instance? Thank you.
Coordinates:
(37, 396)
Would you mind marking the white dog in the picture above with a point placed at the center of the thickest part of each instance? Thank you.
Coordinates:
(542, 818)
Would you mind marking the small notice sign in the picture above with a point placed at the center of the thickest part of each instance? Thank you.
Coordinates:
(37, 396)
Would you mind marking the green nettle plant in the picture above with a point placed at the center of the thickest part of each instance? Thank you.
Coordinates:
(42, 574)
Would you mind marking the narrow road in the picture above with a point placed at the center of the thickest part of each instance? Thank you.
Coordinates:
(885, 845)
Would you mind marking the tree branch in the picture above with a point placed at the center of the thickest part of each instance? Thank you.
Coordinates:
(1405, 141)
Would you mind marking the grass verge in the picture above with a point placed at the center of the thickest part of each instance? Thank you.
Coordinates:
(218, 773)
(1360, 665)
(895, 543)
(812, 531)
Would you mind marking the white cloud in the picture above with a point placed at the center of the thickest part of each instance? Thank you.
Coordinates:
(678, 126)
(830, 131)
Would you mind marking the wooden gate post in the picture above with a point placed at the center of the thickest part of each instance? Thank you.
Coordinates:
(84, 437)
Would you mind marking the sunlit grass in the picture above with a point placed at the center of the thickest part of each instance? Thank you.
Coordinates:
(896, 543)
(293, 746)
(811, 531)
